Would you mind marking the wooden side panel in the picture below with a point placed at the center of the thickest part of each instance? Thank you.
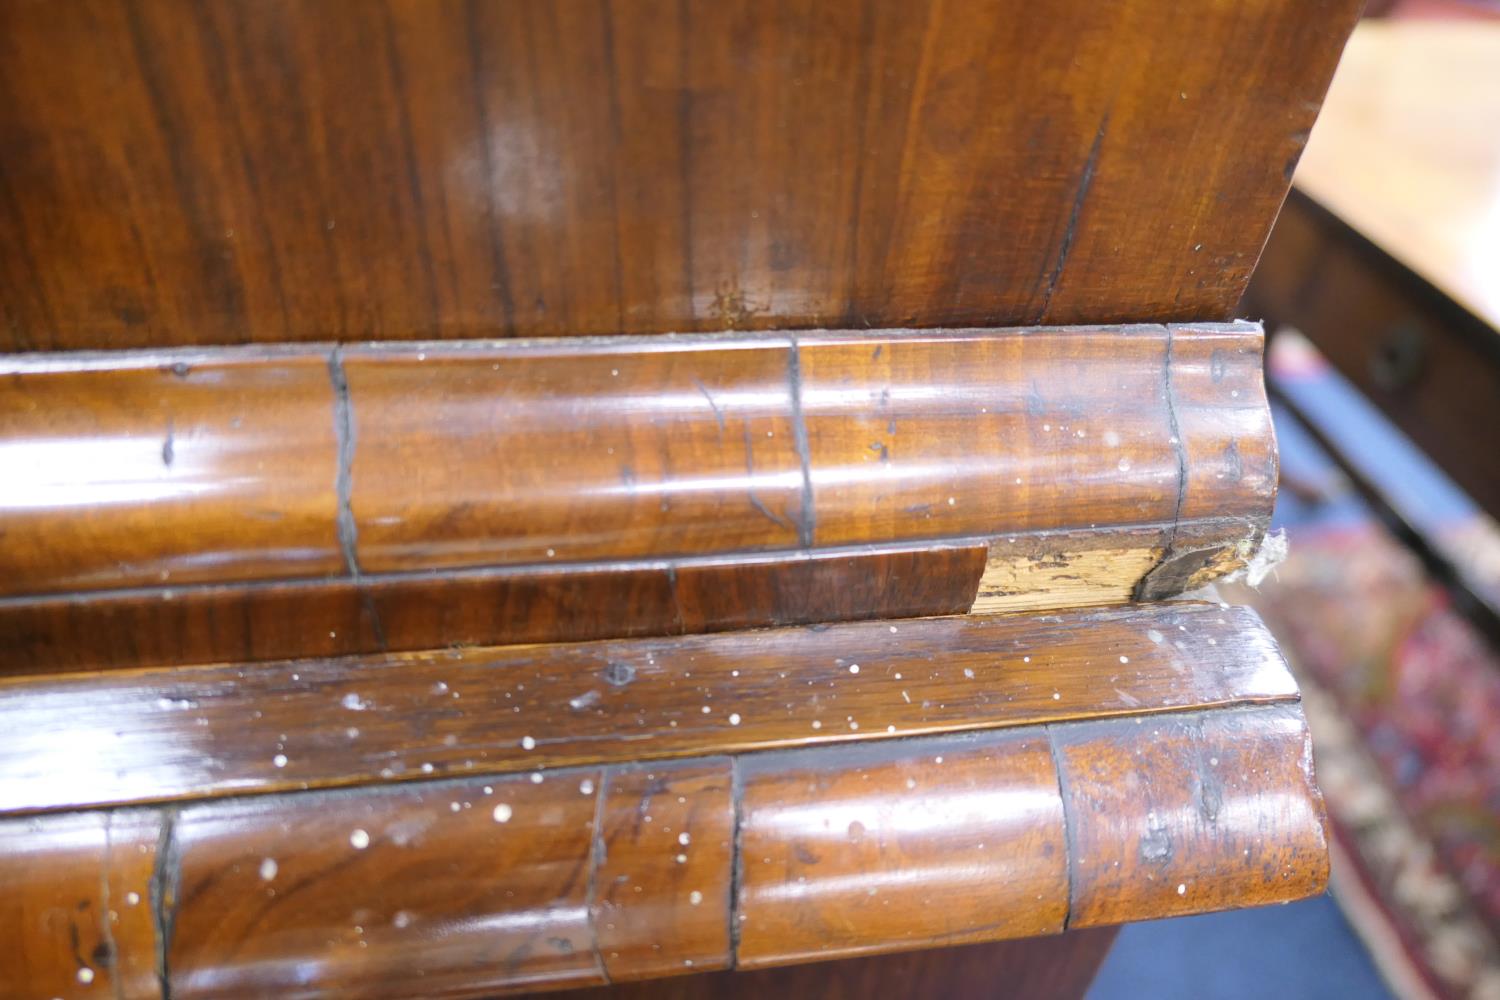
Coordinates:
(77, 911)
(1176, 814)
(888, 847)
(276, 171)
(142, 472)
(664, 869)
(236, 729)
(456, 889)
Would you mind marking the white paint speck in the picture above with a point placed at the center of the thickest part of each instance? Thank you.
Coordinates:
(1057, 696)
(682, 859)
(359, 840)
(969, 673)
(734, 718)
(85, 975)
(536, 777)
(527, 743)
(1154, 636)
(502, 813)
(1182, 888)
(279, 760)
(133, 898)
(695, 897)
(401, 919)
(1124, 659)
(267, 869)
(854, 668)
(817, 724)
(1025, 659)
(354, 703)
(684, 839)
(1123, 465)
(586, 787)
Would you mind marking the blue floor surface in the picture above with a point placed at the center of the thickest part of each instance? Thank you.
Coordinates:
(1302, 951)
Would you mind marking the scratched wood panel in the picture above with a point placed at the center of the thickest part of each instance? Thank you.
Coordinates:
(171, 626)
(189, 732)
(899, 844)
(1171, 815)
(272, 171)
(450, 889)
(77, 913)
(664, 865)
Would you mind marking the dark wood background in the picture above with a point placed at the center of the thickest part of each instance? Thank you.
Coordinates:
(177, 172)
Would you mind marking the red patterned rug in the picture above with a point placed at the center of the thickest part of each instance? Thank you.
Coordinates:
(1404, 700)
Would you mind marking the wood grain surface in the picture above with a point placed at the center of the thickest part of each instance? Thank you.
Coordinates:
(277, 171)
(354, 500)
(479, 886)
(881, 845)
(79, 910)
(190, 626)
(236, 729)
(1150, 798)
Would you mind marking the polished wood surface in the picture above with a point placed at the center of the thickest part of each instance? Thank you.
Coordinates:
(672, 827)
(1059, 968)
(136, 471)
(142, 736)
(483, 885)
(1406, 152)
(455, 450)
(882, 845)
(415, 890)
(406, 497)
(278, 171)
(566, 451)
(1149, 799)
(484, 607)
(79, 908)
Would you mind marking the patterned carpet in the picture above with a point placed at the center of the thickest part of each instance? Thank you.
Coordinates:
(1403, 696)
